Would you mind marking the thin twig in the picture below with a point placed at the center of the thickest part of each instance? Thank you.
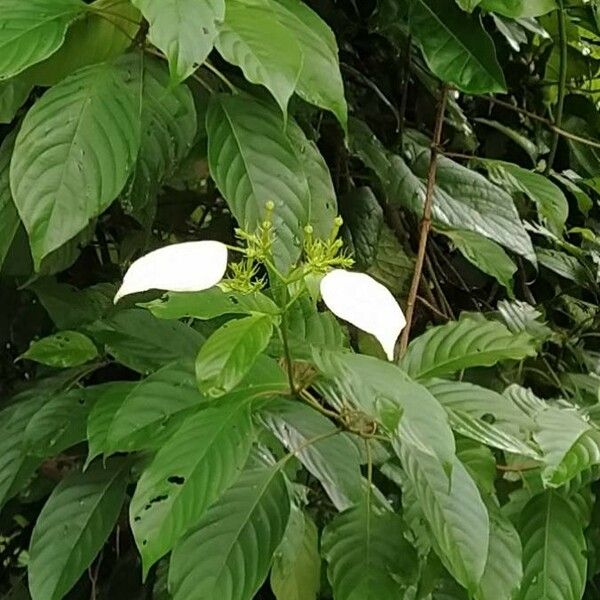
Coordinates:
(548, 123)
(426, 220)
(432, 308)
(562, 82)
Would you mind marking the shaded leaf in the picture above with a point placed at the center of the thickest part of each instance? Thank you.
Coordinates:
(62, 349)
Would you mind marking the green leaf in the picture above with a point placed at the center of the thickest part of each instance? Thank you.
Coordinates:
(516, 9)
(253, 162)
(62, 349)
(109, 399)
(191, 470)
(520, 316)
(296, 571)
(320, 81)
(168, 123)
(142, 343)
(518, 138)
(253, 39)
(468, 5)
(368, 557)
(455, 512)
(73, 155)
(229, 553)
(551, 203)
(563, 264)
(13, 94)
(553, 550)
(333, 460)
(211, 303)
(484, 254)
(456, 47)
(9, 217)
(31, 31)
(104, 32)
(153, 408)
(503, 570)
(184, 30)
(580, 461)
(363, 220)
(468, 342)
(229, 353)
(72, 528)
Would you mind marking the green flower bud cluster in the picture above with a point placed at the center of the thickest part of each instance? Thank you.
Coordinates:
(322, 255)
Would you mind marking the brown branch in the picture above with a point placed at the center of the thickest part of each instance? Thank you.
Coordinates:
(426, 220)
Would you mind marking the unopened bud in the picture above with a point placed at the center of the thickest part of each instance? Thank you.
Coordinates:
(308, 229)
(270, 205)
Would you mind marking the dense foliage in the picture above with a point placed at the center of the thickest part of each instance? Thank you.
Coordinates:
(241, 442)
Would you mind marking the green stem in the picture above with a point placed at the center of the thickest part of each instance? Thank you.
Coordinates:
(287, 353)
(222, 77)
(562, 83)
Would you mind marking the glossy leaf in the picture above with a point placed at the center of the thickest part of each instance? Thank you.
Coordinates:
(253, 162)
(229, 353)
(32, 31)
(191, 470)
(333, 460)
(461, 344)
(456, 47)
(367, 554)
(229, 553)
(72, 528)
(73, 155)
(553, 550)
(174, 30)
(63, 349)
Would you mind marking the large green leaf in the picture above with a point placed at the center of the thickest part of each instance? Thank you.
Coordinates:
(252, 38)
(33, 30)
(229, 553)
(296, 571)
(9, 217)
(153, 407)
(72, 528)
(551, 203)
(253, 162)
(367, 554)
(334, 460)
(229, 353)
(320, 80)
(104, 32)
(469, 342)
(456, 47)
(503, 569)
(463, 198)
(191, 470)
(62, 349)
(553, 550)
(184, 30)
(73, 155)
(455, 512)
(516, 9)
(484, 254)
(168, 123)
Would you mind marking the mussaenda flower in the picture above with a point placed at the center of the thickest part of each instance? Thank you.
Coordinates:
(364, 302)
(185, 267)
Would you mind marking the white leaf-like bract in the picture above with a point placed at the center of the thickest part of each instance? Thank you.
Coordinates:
(186, 267)
(362, 301)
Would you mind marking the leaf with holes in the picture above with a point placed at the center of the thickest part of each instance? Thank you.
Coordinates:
(553, 550)
(253, 162)
(296, 571)
(228, 554)
(33, 30)
(333, 460)
(469, 342)
(189, 472)
(368, 557)
(456, 47)
(73, 527)
(62, 349)
(455, 512)
(229, 353)
(184, 30)
(73, 155)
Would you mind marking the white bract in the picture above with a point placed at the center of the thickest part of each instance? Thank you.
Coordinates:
(362, 301)
(186, 267)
